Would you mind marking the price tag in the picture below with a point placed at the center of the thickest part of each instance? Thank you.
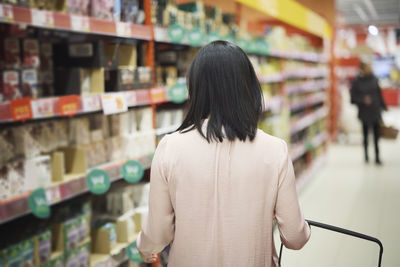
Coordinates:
(132, 171)
(157, 95)
(133, 253)
(98, 181)
(91, 103)
(38, 203)
(177, 93)
(130, 97)
(123, 29)
(53, 194)
(43, 108)
(80, 23)
(113, 103)
(6, 13)
(69, 105)
(195, 37)
(176, 33)
(21, 109)
(42, 18)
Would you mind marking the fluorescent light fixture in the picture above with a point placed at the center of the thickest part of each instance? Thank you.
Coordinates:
(371, 8)
(361, 13)
(373, 30)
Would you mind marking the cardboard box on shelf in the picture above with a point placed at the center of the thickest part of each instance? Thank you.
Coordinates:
(9, 85)
(127, 56)
(67, 236)
(97, 81)
(12, 53)
(75, 160)
(30, 83)
(31, 53)
(104, 238)
(125, 229)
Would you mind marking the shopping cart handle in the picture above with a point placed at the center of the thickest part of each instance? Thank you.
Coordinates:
(342, 231)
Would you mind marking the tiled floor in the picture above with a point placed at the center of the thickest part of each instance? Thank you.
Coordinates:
(348, 193)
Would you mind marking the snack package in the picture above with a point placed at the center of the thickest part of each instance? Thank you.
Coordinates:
(14, 256)
(38, 172)
(7, 145)
(106, 9)
(26, 140)
(30, 83)
(83, 255)
(80, 7)
(130, 10)
(9, 85)
(79, 133)
(12, 53)
(31, 53)
(44, 247)
(27, 251)
(46, 56)
(16, 177)
(71, 234)
(4, 183)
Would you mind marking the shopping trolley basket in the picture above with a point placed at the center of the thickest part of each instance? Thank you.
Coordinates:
(342, 231)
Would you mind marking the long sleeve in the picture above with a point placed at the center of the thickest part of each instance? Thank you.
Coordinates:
(294, 230)
(158, 231)
(355, 94)
(382, 103)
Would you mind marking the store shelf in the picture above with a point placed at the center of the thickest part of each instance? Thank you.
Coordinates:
(299, 149)
(69, 22)
(305, 73)
(303, 178)
(166, 130)
(308, 101)
(17, 206)
(307, 120)
(271, 78)
(273, 104)
(306, 86)
(44, 108)
(301, 56)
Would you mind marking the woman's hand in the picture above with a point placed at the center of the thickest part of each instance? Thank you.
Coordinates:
(152, 259)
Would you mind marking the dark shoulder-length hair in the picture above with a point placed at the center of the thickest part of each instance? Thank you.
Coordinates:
(224, 88)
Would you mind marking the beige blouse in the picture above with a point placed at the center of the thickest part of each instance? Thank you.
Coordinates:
(215, 203)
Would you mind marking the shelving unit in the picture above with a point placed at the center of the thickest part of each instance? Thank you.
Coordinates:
(310, 81)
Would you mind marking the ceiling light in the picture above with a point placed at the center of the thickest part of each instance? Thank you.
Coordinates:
(371, 9)
(373, 30)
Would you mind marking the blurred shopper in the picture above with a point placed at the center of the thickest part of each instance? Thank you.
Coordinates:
(218, 183)
(367, 95)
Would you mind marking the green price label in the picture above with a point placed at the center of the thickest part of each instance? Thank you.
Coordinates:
(213, 36)
(132, 171)
(178, 93)
(176, 33)
(244, 44)
(98, 181)
(133, 253)
(38, 204)
(195, 37)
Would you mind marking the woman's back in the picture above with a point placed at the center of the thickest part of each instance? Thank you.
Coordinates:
(224, 197)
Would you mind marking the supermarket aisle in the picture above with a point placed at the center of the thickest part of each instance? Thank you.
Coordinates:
(348, 193)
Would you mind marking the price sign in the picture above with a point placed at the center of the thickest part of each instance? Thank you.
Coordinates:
(157, 95)
(113, 103)
(38, 203)
(42, 18)
(43, 108)
(80, 23)
(130, 97)
(123, 29)
(195, 37)
(21, 109)
(69, 105)
(178, 93)
(98, 181)
(6, 13)
(176, 33)
(132, 171)
(133, 253)
(91, 103)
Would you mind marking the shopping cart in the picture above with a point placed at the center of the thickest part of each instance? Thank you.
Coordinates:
(342, 231)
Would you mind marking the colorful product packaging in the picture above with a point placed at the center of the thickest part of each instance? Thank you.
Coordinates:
(106, 9)
(12, 53)
(9, 85)
(27, 251)
(31, 53)
(30, 83)
(80, 7)
(43, 248)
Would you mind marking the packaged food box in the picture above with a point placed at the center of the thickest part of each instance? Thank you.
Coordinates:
(80, 7)
(31, 53)
(30, 83)
(104, 238)
(43, 248)
(12, 53)
(9, 85)
(106, 9)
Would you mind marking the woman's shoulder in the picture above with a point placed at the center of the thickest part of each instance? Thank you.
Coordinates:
(269, 139)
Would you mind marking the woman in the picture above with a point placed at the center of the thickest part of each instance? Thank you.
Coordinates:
(367, 95)
(218, 183)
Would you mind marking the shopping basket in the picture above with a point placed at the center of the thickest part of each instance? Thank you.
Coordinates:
(342, 231)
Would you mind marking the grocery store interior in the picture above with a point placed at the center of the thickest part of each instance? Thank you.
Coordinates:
(88, 88)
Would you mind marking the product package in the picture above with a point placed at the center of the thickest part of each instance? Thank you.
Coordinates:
(72, 81)
(143, 77)
(31, 53)
(83, 255)
(46, 81)
(80, 7)
(46, 56)
(126, 78)
(79, 133)
(26, 140)
(106, 9)
(7, 145)
(28, 253)
(38, 172)
(16, 177)
(9, 85)
(42, 248)
(104, 238)
(12, 53)
(30, 83)
(130, 11)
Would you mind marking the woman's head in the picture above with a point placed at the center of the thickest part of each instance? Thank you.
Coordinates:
(223, 87)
